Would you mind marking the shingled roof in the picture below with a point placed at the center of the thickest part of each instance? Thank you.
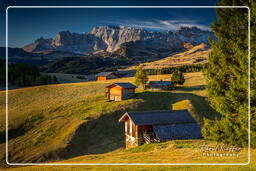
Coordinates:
(159, 117)
(178, 131)
(104, 74)
(160, 83)
(123, 85)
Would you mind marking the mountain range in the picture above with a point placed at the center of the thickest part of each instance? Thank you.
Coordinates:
(117, 39)
(106, 48)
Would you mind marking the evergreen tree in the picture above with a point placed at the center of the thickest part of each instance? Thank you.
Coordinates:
(227, 74)
(141, 77)
(55, 80)
(178, 77)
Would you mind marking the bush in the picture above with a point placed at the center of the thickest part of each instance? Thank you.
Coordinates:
(178, 78)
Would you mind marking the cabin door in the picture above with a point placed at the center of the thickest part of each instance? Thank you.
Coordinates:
(116, 98)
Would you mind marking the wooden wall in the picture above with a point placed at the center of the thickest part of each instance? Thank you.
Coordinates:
(115, 93)
(101, 78)
(120, 93)
(131, 134)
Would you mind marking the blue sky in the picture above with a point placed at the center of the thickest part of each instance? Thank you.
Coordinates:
(27, 24)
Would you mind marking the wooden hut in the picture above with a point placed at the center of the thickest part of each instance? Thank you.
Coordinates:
(106, 76)
(120, 91)
(158, 126)
(160, 85)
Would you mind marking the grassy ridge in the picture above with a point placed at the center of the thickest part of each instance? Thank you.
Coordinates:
(68, 120)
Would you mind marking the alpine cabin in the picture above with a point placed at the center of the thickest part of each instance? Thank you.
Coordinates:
(106, 76)
(158, 126)
(160, 85)
(120, 91)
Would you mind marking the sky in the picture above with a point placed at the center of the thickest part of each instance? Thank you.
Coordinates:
(27, 24)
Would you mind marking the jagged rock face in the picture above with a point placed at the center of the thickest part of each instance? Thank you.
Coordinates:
(111, 38)
(39, 45)
(193, 35)
(115, 36)
(77, 43)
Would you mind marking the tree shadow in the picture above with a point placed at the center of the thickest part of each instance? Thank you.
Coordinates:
(105, 134)
(12, 133)
(155, 100)
(96, 136)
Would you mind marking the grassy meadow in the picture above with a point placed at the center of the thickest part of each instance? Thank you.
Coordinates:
(75, 123)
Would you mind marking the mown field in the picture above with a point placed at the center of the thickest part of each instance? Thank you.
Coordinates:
(65, 121)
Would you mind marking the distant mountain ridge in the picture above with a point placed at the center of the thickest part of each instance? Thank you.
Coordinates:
(112, 38)
(106, 48)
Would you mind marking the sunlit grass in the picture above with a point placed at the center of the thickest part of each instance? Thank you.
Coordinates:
(67, 120)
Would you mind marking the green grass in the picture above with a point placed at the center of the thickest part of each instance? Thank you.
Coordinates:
(56, 122)
(45, 117)
(179, 151)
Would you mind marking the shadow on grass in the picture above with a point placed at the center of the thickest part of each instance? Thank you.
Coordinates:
(29, 123)
(163, 101)
(96, 136)
(12, 133)
(105, 134)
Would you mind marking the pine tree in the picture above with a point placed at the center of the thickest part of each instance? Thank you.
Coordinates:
(141, 77)
(252, 5)
(178, 77)
(227, 74)
(55, 80)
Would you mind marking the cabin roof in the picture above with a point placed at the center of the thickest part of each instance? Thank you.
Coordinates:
(123, 85)
(104, 74)
(160, 83)
(159, 117)
(178, 131)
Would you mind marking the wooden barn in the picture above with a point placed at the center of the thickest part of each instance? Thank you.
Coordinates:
(106, 76)
(160, 85)
(158, 126)
(120, 91)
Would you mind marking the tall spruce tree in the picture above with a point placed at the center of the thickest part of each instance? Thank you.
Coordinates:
(141, 77)
(227, 74)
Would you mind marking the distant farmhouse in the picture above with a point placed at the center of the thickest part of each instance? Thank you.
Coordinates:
(160, 85)
(105, 76)
(120, 91)
(158, 126)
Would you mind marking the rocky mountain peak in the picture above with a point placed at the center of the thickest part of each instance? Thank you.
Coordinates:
(110, 38)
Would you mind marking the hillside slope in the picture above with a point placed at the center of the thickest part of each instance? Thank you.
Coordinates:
(67, 120)
(194, 55)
